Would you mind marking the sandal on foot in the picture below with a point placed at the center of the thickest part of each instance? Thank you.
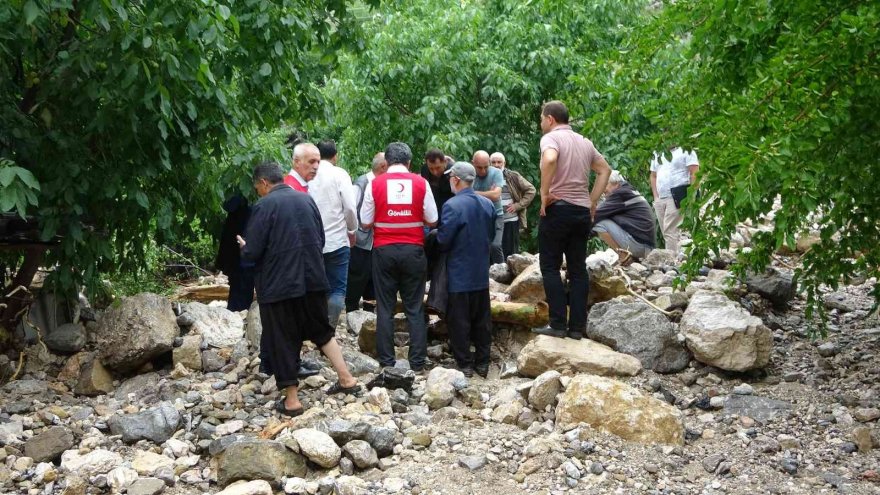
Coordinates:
(282, 409)
(337, 388)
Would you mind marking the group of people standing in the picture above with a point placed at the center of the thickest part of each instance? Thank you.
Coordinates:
(320, 243)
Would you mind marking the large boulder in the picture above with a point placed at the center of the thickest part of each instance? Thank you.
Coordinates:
(639, 330)
(501, 273)
(528, 286)
(318, 447)
(157, 424)
(775, 285)
(546, 353)
(254, 328)
(98, 461)
(720, 333)
(138, 329)
(218, 326)
(619, 409)
(259, 460)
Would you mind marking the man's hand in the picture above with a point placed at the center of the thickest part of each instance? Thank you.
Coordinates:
(546, 201)
(511, 208)
(351, 238)
(240, 241)
(592, 215)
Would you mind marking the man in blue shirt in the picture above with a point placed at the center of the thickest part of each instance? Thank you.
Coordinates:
(467, 227)
(488, 184)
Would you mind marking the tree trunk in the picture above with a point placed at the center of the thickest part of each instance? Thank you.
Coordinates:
(527, 315)
(17, 296)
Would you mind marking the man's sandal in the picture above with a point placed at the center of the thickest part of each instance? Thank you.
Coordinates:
(282, 409)
(337, 388)
(625, 257)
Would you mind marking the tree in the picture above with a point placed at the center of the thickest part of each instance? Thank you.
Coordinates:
(123, 115)
(780, 99)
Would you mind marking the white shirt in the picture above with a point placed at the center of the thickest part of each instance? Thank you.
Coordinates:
(674, 172)
(368, 208)
(333, 193)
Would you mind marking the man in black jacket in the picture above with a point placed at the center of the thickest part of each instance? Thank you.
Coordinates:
(625, 220)
(285, 238)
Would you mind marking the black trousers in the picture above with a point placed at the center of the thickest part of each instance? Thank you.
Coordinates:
(510, 238)
(360, 278)
(469, 320)
(564, 232)
(400, 268)
(286, 324)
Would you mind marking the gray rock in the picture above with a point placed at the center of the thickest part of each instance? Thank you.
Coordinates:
(67, 339)
(189, 354)
(501, 273)
(441, 386)
(218, 326)
(25, 387)
(381, 438)
(636, 329)
(544, 389)
(758, 408)
(710, 464)
(596, 467)
(571, 470)
(94, 379)
(473, 462)
(743, 389)
(212, 361)
(359, 363)
(774, 285)
(660, 258)
(356, 320)
(343, 431)
(361, 454)
(720, 333)
(259, 460)
(139, 329)
(675, 300)
(842, 302)
(49, 445)
(157, 424)
(254, 327)
(519, 262)
(828, 349)
(789, 465)
(146, 486)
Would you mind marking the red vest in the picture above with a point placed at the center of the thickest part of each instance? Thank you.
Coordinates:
(292, 181)
(400, 209)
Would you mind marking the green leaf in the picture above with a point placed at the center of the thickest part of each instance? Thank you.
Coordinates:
(148, 41)
(265, 69)
(28, 178)
(141, 199)
(224, 12)
(7, 174)
(31, 11)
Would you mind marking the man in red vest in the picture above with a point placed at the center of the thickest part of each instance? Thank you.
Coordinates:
(306, 159)
(397, 205)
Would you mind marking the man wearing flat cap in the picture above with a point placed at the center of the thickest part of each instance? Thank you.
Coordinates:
(467, 228)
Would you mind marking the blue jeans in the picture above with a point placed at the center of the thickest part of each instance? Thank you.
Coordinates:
(623, 238)
(336, 269)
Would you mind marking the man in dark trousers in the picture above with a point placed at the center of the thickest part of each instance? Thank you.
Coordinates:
(360, 267)
(241, 275)
(284, 239)
(466, 231)
(398, 205)
(566, 218)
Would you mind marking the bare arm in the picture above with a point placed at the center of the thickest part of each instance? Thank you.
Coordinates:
(603, 172)
(492, 195)
(692, 172)
(548, 170)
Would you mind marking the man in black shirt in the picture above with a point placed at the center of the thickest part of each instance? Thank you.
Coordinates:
(285, 238)
(435, 166)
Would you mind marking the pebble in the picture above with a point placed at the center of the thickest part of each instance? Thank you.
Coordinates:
(743, 389)
(597, 468)
(828, 349)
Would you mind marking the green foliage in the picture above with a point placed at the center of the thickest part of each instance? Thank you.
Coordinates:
(18, 188)
(135, 118)
(463, 76)
(779, 98)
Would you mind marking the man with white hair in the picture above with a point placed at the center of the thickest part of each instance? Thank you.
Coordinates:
(516, 196)
(625, 221)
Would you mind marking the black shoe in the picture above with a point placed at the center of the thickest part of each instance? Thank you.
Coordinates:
(548, 330)
(306, 372)
(467, 370)
(482, 370)
(576, 335)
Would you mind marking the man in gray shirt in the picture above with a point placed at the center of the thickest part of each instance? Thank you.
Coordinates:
(489, 183)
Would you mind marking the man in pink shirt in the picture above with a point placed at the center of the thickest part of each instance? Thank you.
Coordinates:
(566, 218)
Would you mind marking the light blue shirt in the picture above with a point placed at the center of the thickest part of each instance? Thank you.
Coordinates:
(493, 178)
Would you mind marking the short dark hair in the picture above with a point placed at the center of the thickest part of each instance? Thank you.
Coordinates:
(398, 153)
(294, 138)
(557, 110)
(327, 149)
(434, 154)
(270, 171)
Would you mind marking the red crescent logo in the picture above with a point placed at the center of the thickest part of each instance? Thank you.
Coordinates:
(401, 187)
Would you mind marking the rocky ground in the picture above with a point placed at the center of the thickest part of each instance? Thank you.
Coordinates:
(723, 393)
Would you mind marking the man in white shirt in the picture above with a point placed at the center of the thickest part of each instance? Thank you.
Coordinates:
(666, 175)
(332, 191)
